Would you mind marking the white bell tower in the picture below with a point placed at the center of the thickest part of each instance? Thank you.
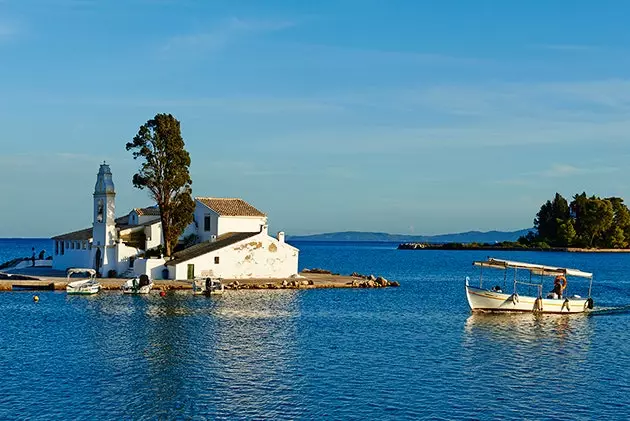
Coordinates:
(104, 225)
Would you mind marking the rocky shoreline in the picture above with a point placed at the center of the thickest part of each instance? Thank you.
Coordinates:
(307, 279)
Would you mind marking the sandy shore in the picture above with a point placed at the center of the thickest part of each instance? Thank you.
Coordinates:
(50, 279)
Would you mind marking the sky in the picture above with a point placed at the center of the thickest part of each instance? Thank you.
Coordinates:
(409, 117)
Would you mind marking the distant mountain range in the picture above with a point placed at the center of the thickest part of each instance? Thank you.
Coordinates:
(462, 237)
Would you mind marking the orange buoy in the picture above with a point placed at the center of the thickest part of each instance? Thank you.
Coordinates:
(162, 294)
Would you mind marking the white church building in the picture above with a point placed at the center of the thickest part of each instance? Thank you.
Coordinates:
(228, 238)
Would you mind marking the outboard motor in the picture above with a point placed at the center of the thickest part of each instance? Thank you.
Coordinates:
(144, 280)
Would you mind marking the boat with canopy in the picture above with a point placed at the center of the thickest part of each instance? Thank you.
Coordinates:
(86, 286)
(557, 302)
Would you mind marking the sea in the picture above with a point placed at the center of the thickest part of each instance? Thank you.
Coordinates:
(410, 353)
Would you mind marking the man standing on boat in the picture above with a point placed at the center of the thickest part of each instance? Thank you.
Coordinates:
(559, 285)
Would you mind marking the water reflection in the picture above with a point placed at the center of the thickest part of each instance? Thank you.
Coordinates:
(528, 327)
(229, 356)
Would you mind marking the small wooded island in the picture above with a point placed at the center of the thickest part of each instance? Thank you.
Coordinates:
(587, 224)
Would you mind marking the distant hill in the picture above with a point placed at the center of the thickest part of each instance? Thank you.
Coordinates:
(462, 237)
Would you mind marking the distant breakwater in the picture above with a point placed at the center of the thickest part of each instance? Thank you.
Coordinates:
(474, 246)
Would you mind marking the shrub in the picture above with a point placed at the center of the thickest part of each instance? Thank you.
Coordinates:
(112, 273)
(157, 251)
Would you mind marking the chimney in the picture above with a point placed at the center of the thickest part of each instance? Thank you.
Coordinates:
(281, 236)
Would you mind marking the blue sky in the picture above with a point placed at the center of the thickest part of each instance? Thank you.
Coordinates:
(398, 116)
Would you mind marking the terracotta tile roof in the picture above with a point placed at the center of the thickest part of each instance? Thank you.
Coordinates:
(230, 207)
(150, 211)
(200, 249)
(84, 234)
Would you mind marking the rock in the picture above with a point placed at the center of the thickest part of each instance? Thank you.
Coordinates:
(371, 278)
(285, 283)
(310, 282)
(394, 284)
(306, 270)
(304, 283)
(317, 270)
(371, 283)
(356, 283)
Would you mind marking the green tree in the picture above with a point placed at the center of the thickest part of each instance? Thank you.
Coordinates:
(566, 233)
(164, 173)
(551, 216)
(618, 234)
(593, 217)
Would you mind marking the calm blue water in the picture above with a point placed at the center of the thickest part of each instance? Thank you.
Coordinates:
(11, 248)
(413, 352)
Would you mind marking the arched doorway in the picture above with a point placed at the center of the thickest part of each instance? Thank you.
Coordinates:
(97, 261)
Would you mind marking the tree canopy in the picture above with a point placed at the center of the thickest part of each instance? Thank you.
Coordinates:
(585, 222)
(164, 173)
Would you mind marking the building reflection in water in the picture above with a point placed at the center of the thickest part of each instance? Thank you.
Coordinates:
(218, 355)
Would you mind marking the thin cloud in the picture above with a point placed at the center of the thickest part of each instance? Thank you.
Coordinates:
(223, 35)
(8, 30)
(566, 170)
(566, 47)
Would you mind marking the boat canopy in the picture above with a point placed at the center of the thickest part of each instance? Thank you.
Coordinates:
(533, 268)
(89, 271)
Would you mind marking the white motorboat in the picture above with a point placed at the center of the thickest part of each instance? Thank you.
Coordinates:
(86, 286)
(208, 286)
(138, 285)
(496, 300)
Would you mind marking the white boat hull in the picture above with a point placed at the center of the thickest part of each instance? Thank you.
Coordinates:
(83, 287)
(484, 300)
(132, 287)
(200, 287)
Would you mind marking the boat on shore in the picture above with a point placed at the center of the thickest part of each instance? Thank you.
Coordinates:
(86, 286)
(138, 285)
(496, 300)
(208, 286)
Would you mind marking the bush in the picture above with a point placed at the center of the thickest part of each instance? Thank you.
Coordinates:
(112, 273)
(157, 251)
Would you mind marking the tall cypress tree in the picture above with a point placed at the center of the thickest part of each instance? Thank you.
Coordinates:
(164, 173)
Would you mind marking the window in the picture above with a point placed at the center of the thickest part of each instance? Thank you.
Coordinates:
(63, 243)
(206, 223)
(56, 247)
(84, 245)
(71, 245)
(216, 260)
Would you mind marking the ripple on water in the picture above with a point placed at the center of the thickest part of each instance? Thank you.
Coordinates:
(413, 352)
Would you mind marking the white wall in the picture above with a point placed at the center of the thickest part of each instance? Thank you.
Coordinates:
(154, 235)
(260, 256)
(240, 224)
(201, 211)
(72, 257)
(151, 267)
(123, 253)
(108, 254)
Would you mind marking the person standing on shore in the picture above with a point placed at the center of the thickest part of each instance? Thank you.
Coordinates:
(33, 256)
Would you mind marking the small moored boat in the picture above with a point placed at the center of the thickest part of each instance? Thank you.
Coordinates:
(496, 300)
(208, 286)
(138, 285)
(86, 286)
